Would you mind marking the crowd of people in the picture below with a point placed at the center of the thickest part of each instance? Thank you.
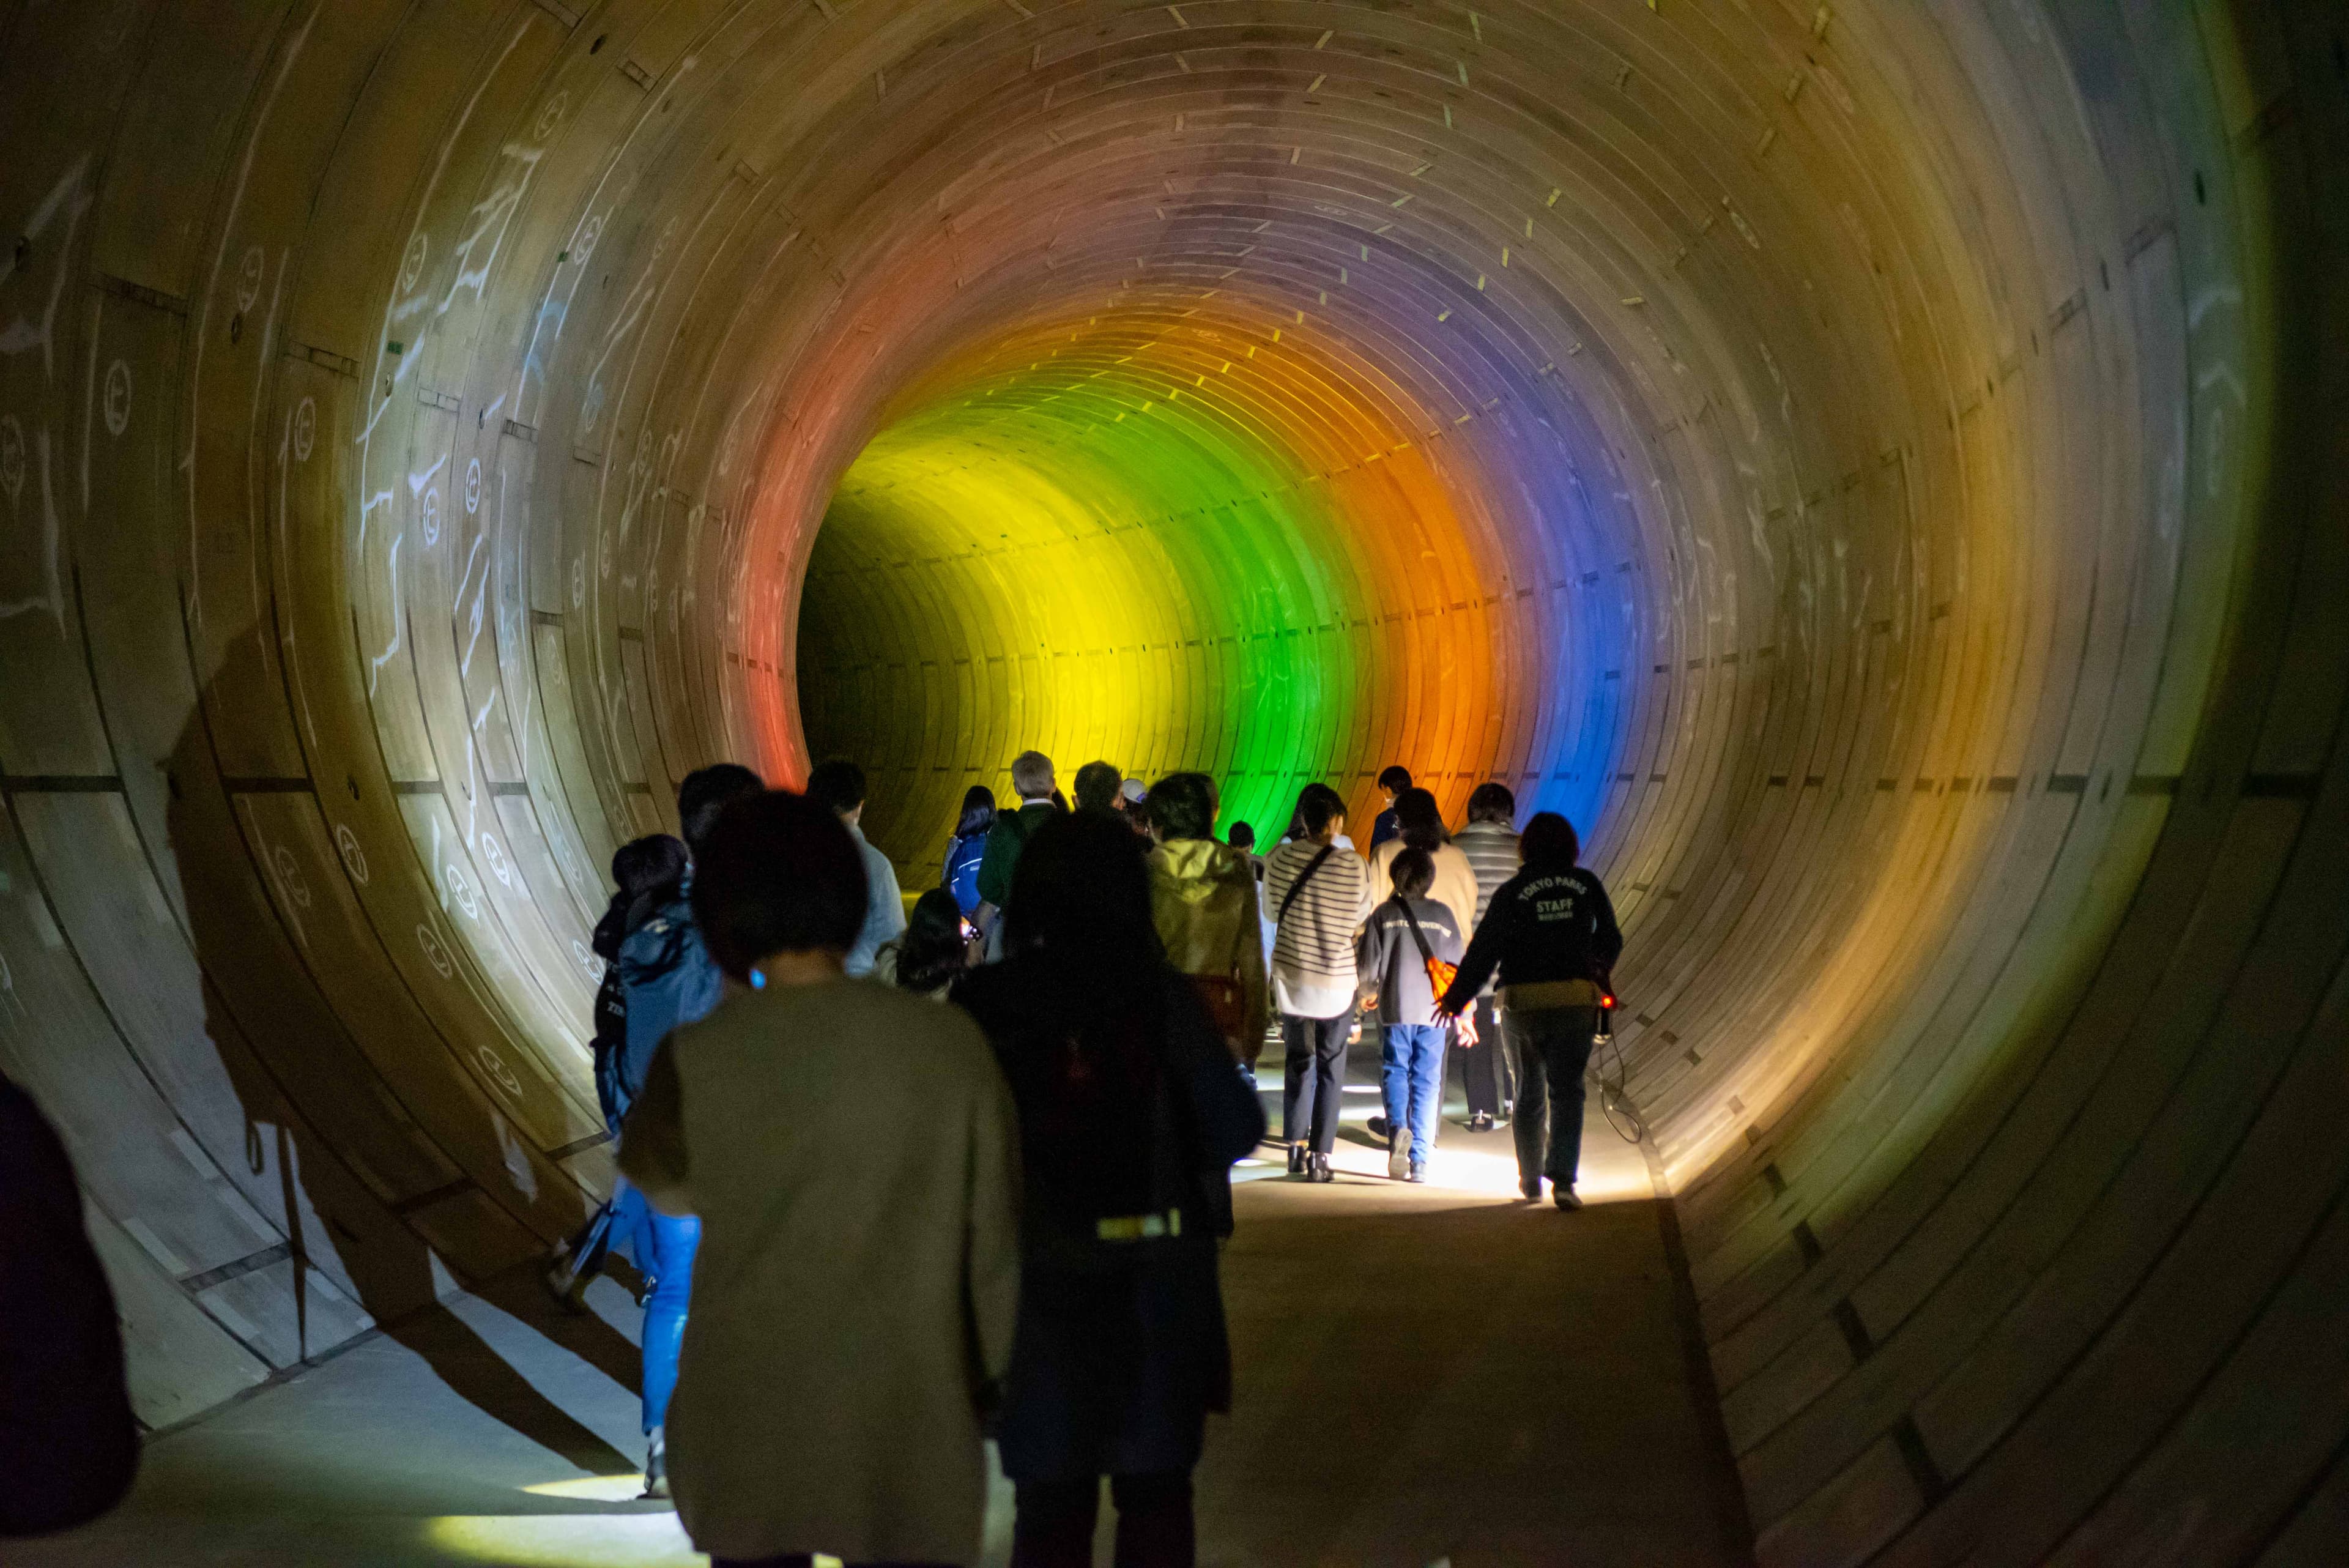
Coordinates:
(897, 1181)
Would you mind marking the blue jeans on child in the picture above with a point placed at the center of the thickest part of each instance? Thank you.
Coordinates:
(1411, 1078)
(662, 1246)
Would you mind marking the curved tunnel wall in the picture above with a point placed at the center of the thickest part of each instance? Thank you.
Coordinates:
(1857, 459)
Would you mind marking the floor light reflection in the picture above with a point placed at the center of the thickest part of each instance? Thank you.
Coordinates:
(567, 1539)
(592, 1489)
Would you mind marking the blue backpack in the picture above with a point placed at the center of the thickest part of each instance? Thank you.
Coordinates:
(668, 978)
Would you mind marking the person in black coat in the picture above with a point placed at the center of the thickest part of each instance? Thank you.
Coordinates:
(1131, 1115)
(68, 1443)
(1550, 932)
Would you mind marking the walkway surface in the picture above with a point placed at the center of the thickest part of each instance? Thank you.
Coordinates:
(1424, 1373)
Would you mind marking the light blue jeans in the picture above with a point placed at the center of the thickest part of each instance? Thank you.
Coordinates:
(663, 1247)
(1410, 1078)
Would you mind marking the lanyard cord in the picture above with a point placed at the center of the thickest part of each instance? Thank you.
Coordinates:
(1613, 1099)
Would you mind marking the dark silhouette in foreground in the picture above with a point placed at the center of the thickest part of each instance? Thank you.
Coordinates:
(68, 1444)
(1131, 1115)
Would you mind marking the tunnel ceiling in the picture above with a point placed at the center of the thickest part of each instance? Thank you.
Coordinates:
(1859, 460)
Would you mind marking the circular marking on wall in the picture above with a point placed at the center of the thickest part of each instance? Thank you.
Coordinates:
(12, 456)
(588, 962)
(354, 857)
(495, 852)
(591, 408)
(248, 278)
(552, 115)
(306, 429)
(494, 1065)
(578, 582)
(117, 397)
(434, 952)
(473, 486)
(588, 237)
(411, 264)
(462, 892)
(289, 875)
(433, 515)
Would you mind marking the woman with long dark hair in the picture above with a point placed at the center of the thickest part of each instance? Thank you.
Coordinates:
(930, 953)
(968, 848)
(1130, 1118)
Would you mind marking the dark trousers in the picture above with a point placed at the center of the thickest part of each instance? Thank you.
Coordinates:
(1553, 1052)
(1487, 1072)
(1315, 1079)
(1054, 1527)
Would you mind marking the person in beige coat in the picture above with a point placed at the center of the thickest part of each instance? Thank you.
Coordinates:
(1204, 901)
(1422, 823)
(853, 1153)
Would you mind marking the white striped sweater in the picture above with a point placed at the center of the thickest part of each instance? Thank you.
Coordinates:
(1314, 948)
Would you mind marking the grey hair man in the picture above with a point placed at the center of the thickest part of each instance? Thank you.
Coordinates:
(1031, 777)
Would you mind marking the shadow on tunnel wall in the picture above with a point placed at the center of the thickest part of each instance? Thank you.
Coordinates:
(357, 1228)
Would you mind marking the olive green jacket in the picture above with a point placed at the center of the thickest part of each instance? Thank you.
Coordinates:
(1203, 898)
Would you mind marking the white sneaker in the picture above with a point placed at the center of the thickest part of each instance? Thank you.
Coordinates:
(1399, 1155)
(657, 1464)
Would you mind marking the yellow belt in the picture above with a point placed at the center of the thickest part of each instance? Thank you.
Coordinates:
(1139, 1226)
(1542, 995)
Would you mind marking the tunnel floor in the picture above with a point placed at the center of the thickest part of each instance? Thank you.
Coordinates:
(1421, 1373)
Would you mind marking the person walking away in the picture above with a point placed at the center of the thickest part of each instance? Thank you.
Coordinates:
(1319, 791)
(1135, 797)
(668, 978)
(959, 873)
(649, 872)
(841, 787)
(1098, 785)
(1241, 837)
(1551, 935)
(69, 1441)
(1031, 779)
(1423, 829)
(1203, 898)
(1319, 893)
(931, 953)
(1130, 1120)
(1489, 840)
(852, 1155)
(1400, 944)
(1392, 780)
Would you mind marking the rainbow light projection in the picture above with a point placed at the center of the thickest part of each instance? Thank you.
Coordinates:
(1226, 540)
(1621, 403)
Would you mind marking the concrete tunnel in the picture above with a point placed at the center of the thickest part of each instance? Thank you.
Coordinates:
(1878, 467)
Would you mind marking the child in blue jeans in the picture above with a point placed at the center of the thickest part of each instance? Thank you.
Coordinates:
(1391, 956)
